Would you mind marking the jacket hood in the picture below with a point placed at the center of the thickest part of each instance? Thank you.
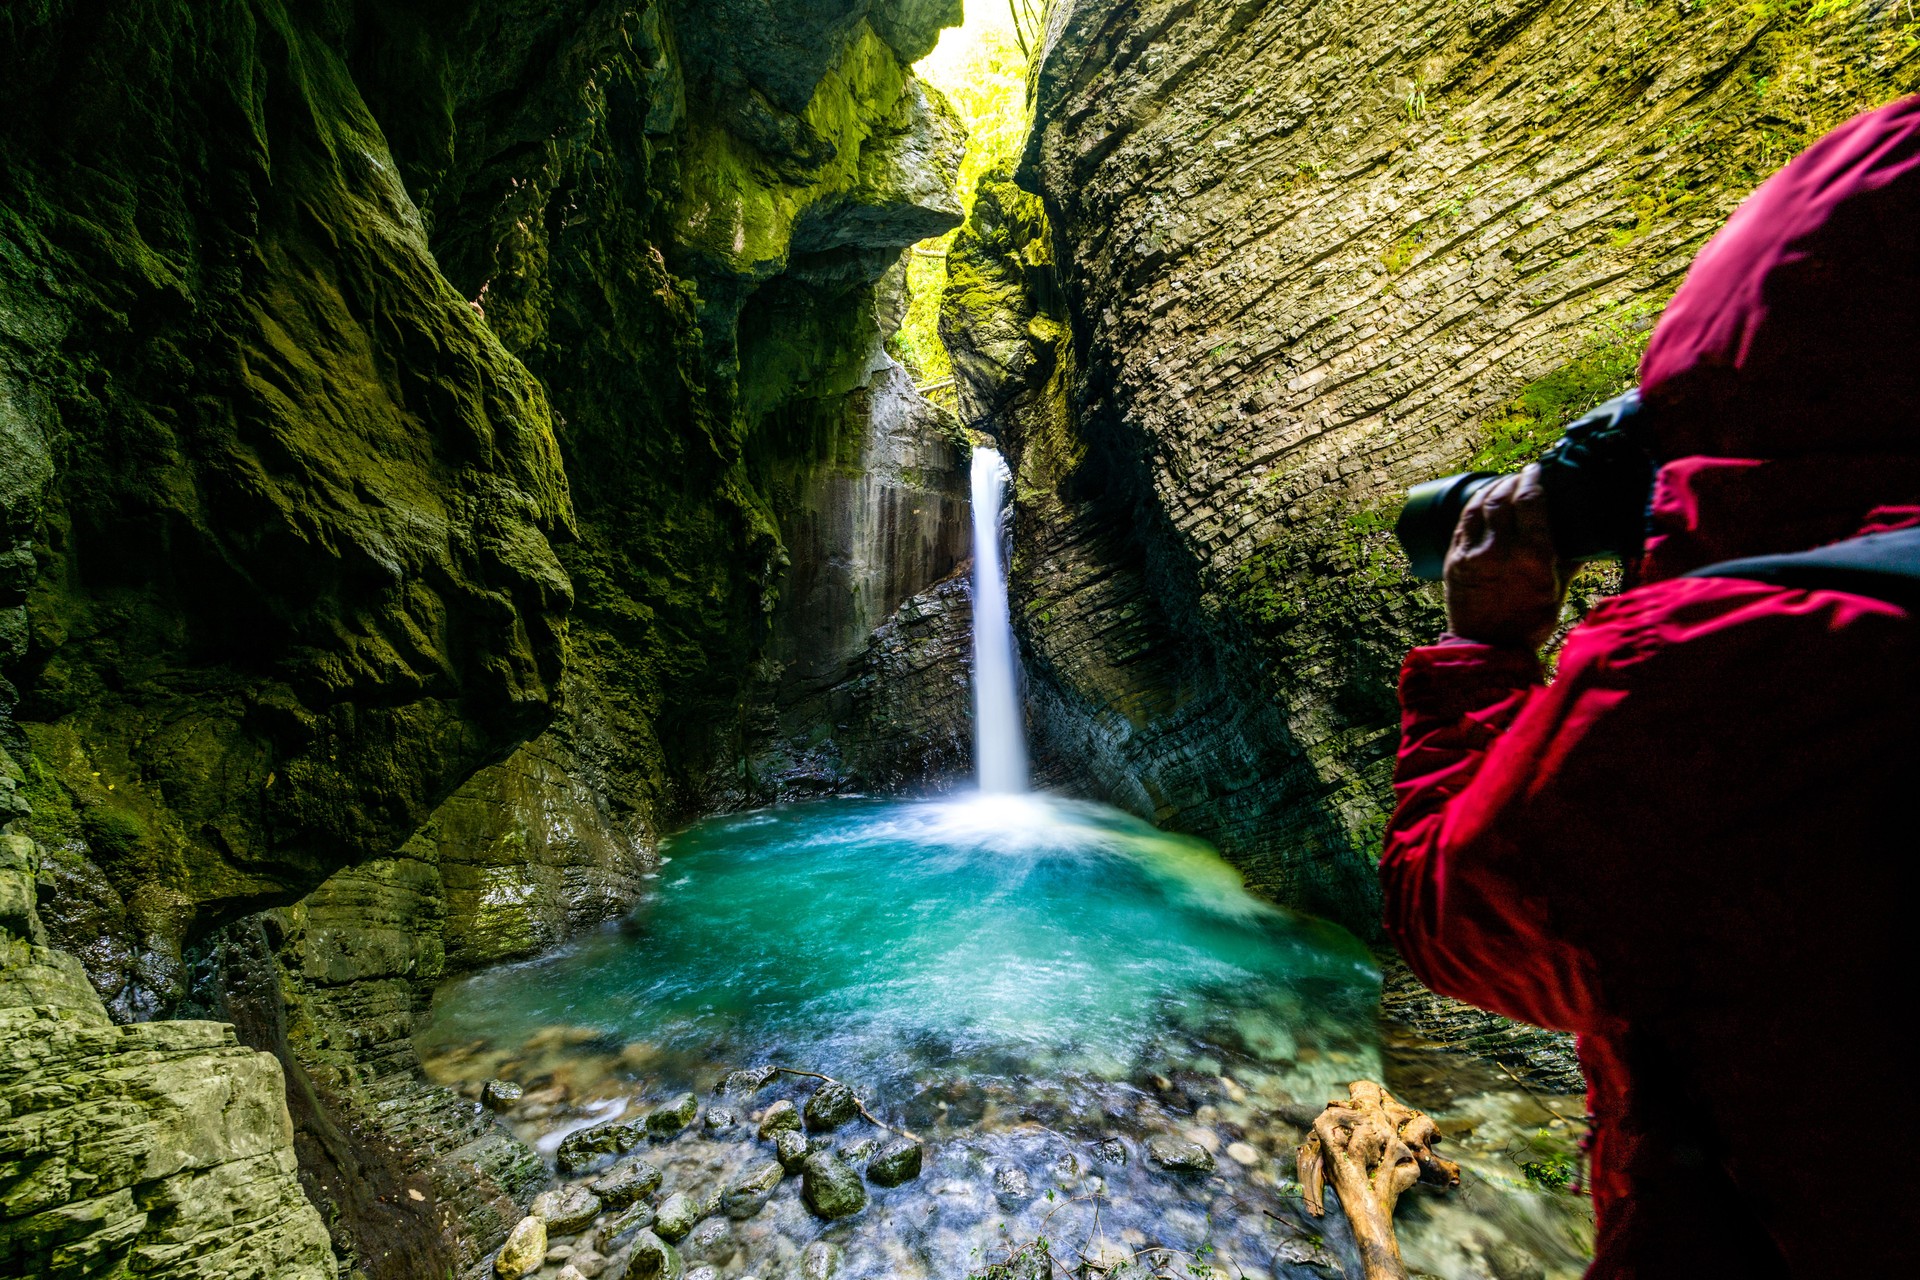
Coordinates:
(1783, 380)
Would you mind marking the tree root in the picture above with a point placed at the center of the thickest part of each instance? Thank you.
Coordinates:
(1374, 1147)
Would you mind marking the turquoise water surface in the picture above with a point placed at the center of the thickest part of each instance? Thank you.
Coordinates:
(1008, 934)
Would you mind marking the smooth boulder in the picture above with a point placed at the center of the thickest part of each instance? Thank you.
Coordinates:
(501, 1095)
(1176, 1155)
(779, 1118)
(897, 1162)
(830, 1188)
(524, 1251)
(566, 1210)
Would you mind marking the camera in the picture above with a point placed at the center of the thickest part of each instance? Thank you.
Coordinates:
(1598, 479)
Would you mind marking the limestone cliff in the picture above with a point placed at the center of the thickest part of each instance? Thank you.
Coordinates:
(441, 444)
(163, 1148)
(1285, 260)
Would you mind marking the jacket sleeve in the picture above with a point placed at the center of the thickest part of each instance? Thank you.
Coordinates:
(1456, 870)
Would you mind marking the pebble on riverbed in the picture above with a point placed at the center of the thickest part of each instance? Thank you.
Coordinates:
(501, 1095)
(626, 1182)
(675, 1216)
(752, 1189)
(1178, 1156)
(654, 1259)
(566, 1210)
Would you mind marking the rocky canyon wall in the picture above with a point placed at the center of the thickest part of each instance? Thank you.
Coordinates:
(1266, 264)
(444, 443)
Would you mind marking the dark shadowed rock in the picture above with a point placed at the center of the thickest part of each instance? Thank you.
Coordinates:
(626, 1182)
(832, 1105)
(830, 1188)
(578, 1150)
(897, 1162)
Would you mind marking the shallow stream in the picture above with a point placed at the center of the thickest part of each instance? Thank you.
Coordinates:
(1038, 989)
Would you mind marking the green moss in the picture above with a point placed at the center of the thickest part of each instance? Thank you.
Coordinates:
(1532, 420)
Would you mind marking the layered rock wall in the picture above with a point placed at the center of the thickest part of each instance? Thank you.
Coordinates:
(1308, 255)
(443, 444)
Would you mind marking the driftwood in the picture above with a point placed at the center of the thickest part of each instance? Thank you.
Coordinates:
(1372, 1147)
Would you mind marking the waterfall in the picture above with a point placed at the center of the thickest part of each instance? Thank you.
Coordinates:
(999, 726)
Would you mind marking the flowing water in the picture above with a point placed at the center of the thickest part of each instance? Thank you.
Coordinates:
(999, 737)
(1036, 987)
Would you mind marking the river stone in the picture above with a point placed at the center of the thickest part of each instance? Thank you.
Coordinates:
(588, 1263)
(675, 1217)
(622, 1226)
(747, 1081)
(779, 1117)
(753, 1188)
(567, 1210)
(858, 1152)
(897, 1162)
(578, 1150)
(524, 1251)
(790, 1147)
(654, 1259)
(626, 1182)
(501, 1095)
(1178, 1156)
(831, 1105)
(820, 1261)
(711, 1241)
(570, 1272)
(671, 1116)
(1111, 1151)
(719, 1119)
(830, 1188)
(1011, 1186)
(703, 1273)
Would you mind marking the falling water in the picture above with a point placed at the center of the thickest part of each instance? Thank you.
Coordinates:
(999, 739)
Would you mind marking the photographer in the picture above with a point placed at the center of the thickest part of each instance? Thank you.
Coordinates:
(1694, 846)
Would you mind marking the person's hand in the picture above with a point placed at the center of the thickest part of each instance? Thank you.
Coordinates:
(1504, 583)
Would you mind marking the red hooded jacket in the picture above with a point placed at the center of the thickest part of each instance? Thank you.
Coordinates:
(1694, 847)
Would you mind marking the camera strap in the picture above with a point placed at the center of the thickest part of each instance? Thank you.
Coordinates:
(1885, 566)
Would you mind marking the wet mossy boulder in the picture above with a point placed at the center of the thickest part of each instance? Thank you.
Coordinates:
(790, 1148)
(676, 1215)
(579, 1150)
(671, 1116)
(897, 1162)
(832, 1105)
(501, 1095)
(830, 1188)
(626, 1182)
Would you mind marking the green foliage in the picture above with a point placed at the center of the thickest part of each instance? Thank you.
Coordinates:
(983, 73)
(1606, 366)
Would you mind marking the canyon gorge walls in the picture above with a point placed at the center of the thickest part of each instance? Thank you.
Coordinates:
(444, 443)
(1265, 264)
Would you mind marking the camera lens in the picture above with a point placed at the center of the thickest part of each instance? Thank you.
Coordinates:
(1425, 526)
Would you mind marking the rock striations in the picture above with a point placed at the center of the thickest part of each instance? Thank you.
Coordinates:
(1285, 260)
(439, 446)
